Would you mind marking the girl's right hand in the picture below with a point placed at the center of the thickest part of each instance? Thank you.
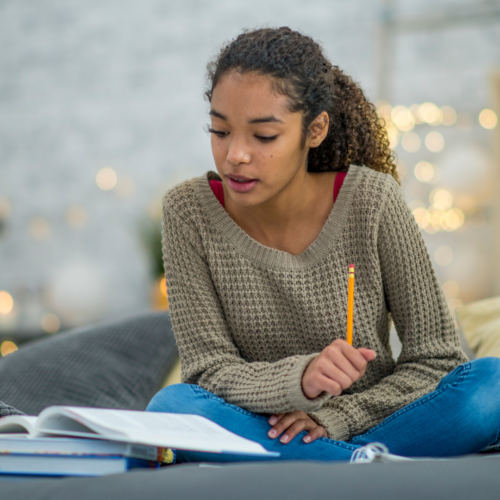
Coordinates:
(335, 369)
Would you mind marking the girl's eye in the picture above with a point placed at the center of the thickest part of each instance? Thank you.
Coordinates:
(218, 133)
(262, 138)
(266, 139)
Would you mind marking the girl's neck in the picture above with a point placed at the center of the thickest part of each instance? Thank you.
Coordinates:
(292, 220)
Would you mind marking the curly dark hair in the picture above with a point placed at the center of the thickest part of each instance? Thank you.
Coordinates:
(299, 70)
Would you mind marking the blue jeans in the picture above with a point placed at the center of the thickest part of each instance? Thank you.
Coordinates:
(461, 416)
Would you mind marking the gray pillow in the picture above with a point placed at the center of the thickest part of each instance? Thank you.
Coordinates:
(8, 410)
(119, 364)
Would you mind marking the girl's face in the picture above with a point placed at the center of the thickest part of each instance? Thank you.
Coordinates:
(255, 139)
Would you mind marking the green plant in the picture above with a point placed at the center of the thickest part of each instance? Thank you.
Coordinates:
(149, 230)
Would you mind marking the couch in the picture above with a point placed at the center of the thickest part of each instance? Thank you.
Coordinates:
(122, 364)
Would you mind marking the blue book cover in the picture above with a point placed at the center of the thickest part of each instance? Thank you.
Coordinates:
(22, 444)
(69, 465)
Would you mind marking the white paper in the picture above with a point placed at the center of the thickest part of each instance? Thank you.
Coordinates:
(182, 431)
(17, 424)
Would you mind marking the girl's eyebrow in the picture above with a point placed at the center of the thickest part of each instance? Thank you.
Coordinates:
(265, 119)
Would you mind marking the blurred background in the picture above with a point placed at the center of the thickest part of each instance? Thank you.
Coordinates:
(102, 111)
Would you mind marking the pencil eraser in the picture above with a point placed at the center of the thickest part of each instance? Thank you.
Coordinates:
(351, 266)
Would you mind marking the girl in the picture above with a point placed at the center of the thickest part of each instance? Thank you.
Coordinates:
(256, 260)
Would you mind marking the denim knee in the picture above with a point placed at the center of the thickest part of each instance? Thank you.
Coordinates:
(481, 393)
(486, 373)
(483, 370)
(487, 368)
(170, 398)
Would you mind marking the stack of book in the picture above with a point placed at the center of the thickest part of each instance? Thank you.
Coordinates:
(75, 441)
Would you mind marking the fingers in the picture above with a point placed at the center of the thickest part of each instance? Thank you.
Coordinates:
(368, 354)
(335, 369)
(350, 353)
(316, 433)
(275, 418)
(295, 428)
(293, 423)
(284, 423)
(349, 363)
(328, 375)
(349, 359)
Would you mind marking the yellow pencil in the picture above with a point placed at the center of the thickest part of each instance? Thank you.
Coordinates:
(350, 304)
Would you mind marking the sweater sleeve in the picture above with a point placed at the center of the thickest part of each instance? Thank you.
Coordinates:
(209, 357)
(415, 300)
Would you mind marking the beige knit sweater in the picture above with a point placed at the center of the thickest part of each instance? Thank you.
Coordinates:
(249, 318)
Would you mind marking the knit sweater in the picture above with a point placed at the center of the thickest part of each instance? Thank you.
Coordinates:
(248, 318)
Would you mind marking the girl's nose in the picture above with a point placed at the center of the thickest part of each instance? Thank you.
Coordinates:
(238, 153)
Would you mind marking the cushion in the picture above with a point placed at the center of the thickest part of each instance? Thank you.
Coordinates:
(480, 325)
(8, 410)
(174, 375)
(119, 364)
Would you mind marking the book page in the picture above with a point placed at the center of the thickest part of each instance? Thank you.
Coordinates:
(182, 431)
(17, 424)
(61, 420)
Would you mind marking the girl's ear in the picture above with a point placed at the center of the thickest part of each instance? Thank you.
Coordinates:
(318, 129)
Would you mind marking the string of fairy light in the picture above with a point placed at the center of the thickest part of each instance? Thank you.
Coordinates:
(76, 217)
(39, 229)
(442, 214)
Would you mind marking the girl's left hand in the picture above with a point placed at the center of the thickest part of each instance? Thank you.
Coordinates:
(293, 423)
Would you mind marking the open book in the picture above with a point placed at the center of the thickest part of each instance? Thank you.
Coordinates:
(173, 430)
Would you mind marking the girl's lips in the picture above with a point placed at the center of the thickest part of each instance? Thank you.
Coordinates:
(241, 187)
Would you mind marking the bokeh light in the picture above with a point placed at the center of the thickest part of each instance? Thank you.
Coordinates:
(106, 178)
(415, 111)
(414, 204)
(384, 110)
(448, 116)
(6, 302)
(7, 347)
(430, 228)
(434, 142)
(424, 171)
(453, 220)
(76, 216)
(411, 142)
(441, 199)
(430, 113)
(51, 323)
(39, 228)
(163, 287)
(435, 219)
(443, 256)
(451, 289)
(4, 207)
(403, 118)
(454, 304)
(160, 294)
(488, 118)
(436, 216)
(401, 168)
(422, 217)
(466, 202)
(125, 187)
(393, 134)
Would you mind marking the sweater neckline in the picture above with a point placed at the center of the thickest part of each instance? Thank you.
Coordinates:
(271, 257)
